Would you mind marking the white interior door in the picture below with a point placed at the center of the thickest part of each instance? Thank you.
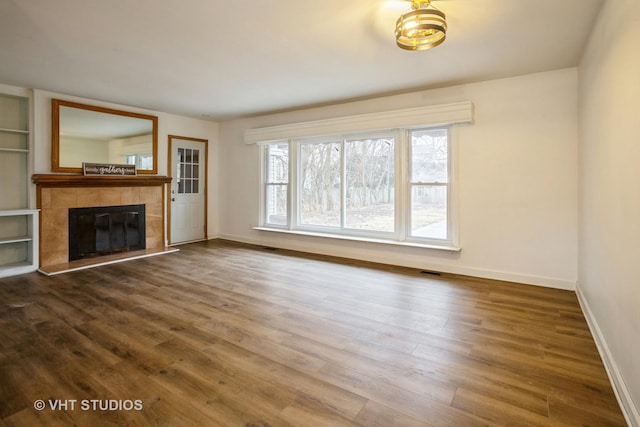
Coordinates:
(188, 190)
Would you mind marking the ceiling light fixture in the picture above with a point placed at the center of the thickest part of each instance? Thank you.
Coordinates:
(421, 28)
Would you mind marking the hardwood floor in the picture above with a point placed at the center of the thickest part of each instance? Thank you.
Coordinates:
(232, 335)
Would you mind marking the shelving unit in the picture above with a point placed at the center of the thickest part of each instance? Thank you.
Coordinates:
(18, 241)
(18, 223)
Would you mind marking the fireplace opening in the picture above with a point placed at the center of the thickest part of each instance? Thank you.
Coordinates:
(105, 230)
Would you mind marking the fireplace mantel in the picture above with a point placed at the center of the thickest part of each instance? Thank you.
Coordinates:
(58, 180)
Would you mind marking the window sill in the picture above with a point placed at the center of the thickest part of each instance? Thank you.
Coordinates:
(362, 239)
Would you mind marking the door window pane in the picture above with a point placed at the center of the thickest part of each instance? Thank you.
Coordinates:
(188, 171)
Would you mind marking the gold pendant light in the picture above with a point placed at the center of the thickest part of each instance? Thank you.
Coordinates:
(421, 28)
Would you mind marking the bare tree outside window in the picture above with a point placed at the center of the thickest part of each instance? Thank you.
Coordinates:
(320, 184)
(369, 165)
(390, 184)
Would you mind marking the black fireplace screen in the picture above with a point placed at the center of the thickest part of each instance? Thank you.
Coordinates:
(105, 230)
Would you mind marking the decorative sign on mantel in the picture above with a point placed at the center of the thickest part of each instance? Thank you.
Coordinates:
(108, 169)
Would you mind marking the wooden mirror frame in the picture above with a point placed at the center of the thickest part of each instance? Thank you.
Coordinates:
(55, 133)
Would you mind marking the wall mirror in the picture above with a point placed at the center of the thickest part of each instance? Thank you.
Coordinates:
(86, 133)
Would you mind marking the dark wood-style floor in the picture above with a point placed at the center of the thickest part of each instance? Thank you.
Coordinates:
(233, 335)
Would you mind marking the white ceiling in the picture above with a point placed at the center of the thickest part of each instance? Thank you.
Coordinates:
(218, 59)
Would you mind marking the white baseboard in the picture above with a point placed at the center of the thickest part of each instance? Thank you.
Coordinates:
(547, 282)
(297, 245)
(629, 410)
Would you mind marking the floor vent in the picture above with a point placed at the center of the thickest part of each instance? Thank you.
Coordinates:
(432, 273)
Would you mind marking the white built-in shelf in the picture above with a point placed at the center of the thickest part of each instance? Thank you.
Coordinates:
(18, 212)
(30, 262)
(18, 227)
(19, 267)
(8, 240)
(18, 131)
(14, 150)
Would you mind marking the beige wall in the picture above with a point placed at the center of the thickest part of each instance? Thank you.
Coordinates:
(78, 150)
(609, 208)
(517, 181)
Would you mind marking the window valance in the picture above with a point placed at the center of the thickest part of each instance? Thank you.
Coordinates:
(432, 115)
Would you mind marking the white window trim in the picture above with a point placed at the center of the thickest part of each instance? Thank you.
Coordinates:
(431, 116)
(401, 235)
(414, 244)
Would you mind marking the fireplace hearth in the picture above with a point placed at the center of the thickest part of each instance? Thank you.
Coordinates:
(106, 230)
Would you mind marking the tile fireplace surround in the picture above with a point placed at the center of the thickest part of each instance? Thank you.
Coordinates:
(57, 193)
